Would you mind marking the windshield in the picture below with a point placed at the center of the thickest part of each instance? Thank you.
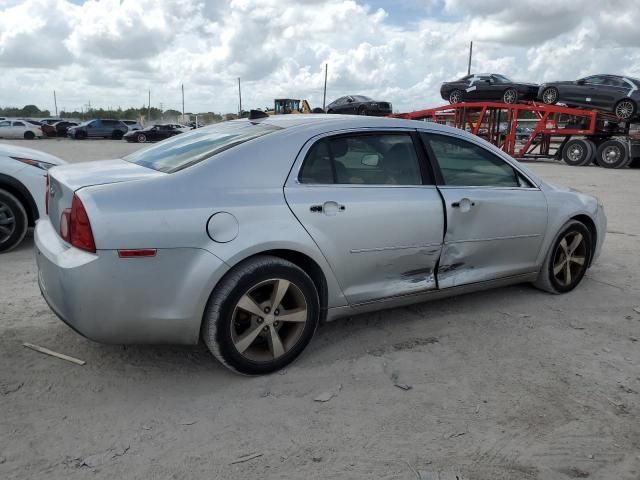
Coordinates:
(187, 149)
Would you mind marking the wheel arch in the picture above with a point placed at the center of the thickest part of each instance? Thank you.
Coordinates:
(308, 265)
(18, 190)
(591, 226)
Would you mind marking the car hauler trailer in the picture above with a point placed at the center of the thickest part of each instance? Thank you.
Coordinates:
(577, 136)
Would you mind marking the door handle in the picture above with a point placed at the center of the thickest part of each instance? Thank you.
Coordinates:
(328, 208)
(463, 204)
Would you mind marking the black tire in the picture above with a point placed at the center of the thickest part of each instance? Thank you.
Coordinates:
(362, 110)
(510, 96)
(456, 96)
(592, 151)
(141, 138)
(550, 95)
(29, 135)
(578, 152)
(240, 281)
(613, 154)
(548, 280)
(13, 221)
(317, 110)
(331, 111)
(117, 135)
(625, 109)
(80, 135)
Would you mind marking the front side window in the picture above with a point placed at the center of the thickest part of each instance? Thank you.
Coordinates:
(184, 150)
(465, 164)
(375, 159)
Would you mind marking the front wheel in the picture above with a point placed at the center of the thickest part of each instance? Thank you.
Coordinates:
(29, 135)
(142, 138)
(567, 260)
(261, 315)
(13, 221)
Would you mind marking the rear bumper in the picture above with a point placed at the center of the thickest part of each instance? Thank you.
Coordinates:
(113, 300)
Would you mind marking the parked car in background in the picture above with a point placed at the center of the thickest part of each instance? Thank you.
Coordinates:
(58, 129)
(152, 133)
(487, 86)
(611, 93)
(181, 127)
(49, 121)
(98, 128)
(359, 105)
(132, 125)
(20, 129)
(22, 191)
(242, 233)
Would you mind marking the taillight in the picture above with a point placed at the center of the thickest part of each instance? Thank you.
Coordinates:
(75, 227)
(46, 196)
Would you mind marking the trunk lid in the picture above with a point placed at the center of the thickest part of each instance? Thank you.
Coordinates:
(65, 180)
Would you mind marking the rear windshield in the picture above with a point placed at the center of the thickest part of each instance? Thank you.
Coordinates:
(187, 149)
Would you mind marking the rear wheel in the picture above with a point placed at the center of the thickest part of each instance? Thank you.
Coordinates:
(142, 138)
(550, 95)
(455, 96)
(625, 109)
(510, 96)
(567, 260)
(613, 154)
(261, 315)
(29, 135)
(13, 221)
(578, 152)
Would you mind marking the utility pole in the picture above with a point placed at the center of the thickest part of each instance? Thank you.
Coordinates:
(183, 103)
(55, 102)
(161, 112)
(149, 108)
(324, 96)
(240, 97)
(470, 53)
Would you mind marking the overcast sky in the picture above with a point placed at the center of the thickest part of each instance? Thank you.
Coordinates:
(110, 52)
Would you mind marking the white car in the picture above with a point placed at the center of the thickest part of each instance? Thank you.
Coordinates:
(19, 129)
(23, 177)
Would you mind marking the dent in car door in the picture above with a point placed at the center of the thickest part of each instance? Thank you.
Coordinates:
(495, 228)
(381, 240)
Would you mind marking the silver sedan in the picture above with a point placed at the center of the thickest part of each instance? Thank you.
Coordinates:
(249, 233)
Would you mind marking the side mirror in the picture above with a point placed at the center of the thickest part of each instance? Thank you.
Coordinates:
(370, 160)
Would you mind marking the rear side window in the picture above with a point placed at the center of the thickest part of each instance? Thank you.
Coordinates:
(464, 164)
(376, 159)
(182, 151)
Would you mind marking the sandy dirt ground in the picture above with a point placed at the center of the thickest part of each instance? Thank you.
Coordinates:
(507, 384)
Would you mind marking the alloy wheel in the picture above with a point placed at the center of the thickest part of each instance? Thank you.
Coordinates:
(7, 222)
(510, 96)
(624, 109)
(142, 138)
(455, 97)
(549, 96)
(268, 320)
(570, 258)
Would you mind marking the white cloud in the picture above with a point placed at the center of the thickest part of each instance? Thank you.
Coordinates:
(110, 52)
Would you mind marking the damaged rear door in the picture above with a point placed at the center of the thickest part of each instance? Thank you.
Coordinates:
(496, 218)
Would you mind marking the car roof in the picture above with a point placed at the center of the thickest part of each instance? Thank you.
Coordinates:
(322, 123)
